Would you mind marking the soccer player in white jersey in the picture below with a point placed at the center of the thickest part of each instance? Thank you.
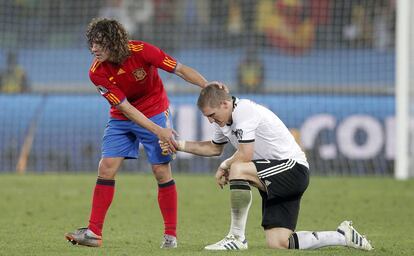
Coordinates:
(268, 158)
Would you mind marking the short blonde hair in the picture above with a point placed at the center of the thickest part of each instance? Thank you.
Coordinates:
(212, 95)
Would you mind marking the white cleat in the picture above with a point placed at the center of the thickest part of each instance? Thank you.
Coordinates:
(84, 236)
(353, 238)
(169, 242)
(230, 242)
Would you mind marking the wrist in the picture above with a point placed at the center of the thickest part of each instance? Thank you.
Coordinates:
(181, 145)
(225, 165)
(157, 130)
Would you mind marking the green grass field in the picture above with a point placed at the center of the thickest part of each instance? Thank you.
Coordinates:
(36, 210)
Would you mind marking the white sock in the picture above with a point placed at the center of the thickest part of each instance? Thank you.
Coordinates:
(312, 240)
(240, 200)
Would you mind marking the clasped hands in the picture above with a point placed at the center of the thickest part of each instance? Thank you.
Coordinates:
(166, 140)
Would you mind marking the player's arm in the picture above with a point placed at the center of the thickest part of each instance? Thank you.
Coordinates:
(243, 154)
(160, 59)
(201, 148)
(190, 75)
(108, 89)
(133, 114)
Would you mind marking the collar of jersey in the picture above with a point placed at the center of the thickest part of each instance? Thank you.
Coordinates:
(235, 101)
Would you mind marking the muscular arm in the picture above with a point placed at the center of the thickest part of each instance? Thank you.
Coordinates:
(202, 148)
(137, 117)
(243, 154)
(190, 75)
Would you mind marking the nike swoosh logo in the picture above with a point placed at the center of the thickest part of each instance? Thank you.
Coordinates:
(92, 237)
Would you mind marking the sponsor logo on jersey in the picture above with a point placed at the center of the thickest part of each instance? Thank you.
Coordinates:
(139, 74)
(238, 133)
(120, 71)
(102, 90)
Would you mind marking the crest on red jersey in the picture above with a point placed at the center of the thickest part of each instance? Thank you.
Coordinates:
(139, 74)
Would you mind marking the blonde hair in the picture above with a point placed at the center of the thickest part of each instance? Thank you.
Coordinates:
(212, 95)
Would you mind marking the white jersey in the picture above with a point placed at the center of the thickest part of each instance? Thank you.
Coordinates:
(255, 123)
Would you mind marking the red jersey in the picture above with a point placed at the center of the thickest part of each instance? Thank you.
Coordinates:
(136, 79)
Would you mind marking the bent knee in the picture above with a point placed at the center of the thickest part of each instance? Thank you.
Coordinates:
(278, 238)
(278, 244)
(244, 171)
(239, 170)
(236, 171)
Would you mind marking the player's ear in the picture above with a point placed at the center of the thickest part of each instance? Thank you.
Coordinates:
(223, 103)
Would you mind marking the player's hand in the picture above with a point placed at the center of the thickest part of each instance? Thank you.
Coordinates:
(221, 85)
(166, 136)
(165, 147)
(222, 177)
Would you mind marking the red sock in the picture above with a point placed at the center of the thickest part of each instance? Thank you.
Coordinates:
(167, 200)
(102, 199)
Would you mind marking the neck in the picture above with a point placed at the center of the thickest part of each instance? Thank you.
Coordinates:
(233, 106)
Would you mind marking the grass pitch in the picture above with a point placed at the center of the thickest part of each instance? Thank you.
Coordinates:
(36, 210)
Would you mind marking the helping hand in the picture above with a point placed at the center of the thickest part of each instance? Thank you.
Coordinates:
(166, 140)
(222, 177)
(165, 148)
(221, 85)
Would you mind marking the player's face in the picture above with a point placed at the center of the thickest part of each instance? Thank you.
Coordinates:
(220, 115)
(101, 54)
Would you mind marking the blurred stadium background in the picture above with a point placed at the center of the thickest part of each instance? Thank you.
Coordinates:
(326, 67)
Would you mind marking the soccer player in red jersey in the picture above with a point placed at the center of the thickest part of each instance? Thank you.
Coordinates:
(125, 73)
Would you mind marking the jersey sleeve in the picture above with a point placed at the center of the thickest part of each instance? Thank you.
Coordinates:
(106, 87)
(218, 137)
(158, 58)
(246, 121)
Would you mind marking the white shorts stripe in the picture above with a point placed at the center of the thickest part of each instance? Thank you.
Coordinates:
(289, 165)
(282, 165)
(276, 169)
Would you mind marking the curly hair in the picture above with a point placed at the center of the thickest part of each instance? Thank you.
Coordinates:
(111, 35)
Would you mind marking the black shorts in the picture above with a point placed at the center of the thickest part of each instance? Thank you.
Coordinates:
(285, 182)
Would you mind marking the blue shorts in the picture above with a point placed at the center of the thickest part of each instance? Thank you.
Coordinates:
(122, 138)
